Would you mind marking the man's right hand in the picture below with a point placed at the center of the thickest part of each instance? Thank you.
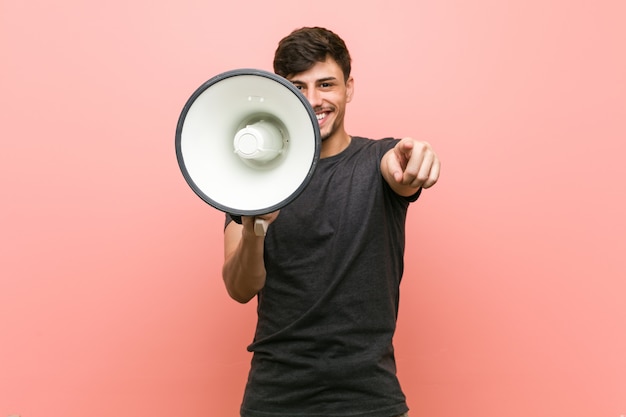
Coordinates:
(258, 224)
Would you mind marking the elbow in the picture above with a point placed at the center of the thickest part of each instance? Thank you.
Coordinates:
(243, 289)
(240, 297)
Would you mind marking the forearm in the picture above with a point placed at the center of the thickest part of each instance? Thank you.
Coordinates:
(244, 269)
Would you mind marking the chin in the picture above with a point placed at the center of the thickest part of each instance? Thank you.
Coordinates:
(325, 134)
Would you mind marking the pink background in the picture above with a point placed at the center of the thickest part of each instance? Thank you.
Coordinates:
(514, 296)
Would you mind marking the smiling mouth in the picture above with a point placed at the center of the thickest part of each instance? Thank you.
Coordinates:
(321, 115)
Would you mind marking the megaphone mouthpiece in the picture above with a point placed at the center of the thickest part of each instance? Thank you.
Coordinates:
(261, 141)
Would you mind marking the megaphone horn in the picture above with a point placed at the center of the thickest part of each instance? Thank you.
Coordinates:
(247, 142)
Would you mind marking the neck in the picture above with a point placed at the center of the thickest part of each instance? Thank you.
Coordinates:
(335, 144)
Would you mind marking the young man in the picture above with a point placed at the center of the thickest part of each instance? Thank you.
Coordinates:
(327, 273)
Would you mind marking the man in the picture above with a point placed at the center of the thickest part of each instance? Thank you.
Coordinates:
(327, 273)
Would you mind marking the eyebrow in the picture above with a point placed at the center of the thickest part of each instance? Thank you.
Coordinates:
(321, 80)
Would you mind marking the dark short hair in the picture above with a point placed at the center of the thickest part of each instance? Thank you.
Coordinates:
(304, 47)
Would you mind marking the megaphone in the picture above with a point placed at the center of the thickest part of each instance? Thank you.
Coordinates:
(247, 143)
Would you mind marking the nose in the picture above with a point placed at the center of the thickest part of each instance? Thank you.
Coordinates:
(314, 97)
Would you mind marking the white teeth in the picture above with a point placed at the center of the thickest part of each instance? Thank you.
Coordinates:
(320, 116)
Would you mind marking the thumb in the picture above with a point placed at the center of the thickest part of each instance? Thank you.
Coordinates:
(394, 165)
(401, 155)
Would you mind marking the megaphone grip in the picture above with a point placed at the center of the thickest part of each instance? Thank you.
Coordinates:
(260, 227)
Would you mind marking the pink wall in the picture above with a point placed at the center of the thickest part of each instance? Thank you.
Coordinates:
(111, 301)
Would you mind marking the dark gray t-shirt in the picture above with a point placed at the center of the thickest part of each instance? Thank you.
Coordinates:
(327, 314)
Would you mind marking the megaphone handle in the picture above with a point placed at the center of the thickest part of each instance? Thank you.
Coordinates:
(260, 227)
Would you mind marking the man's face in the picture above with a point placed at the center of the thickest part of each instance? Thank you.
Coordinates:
(328, 93)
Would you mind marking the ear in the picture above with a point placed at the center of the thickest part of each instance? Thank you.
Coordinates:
(349, 89)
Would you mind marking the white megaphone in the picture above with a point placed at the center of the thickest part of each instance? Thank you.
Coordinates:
(247, 143)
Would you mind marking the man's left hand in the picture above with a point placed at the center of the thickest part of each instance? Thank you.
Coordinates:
(411, 164)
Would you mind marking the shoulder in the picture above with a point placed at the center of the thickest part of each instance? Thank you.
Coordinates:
(375, 146)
